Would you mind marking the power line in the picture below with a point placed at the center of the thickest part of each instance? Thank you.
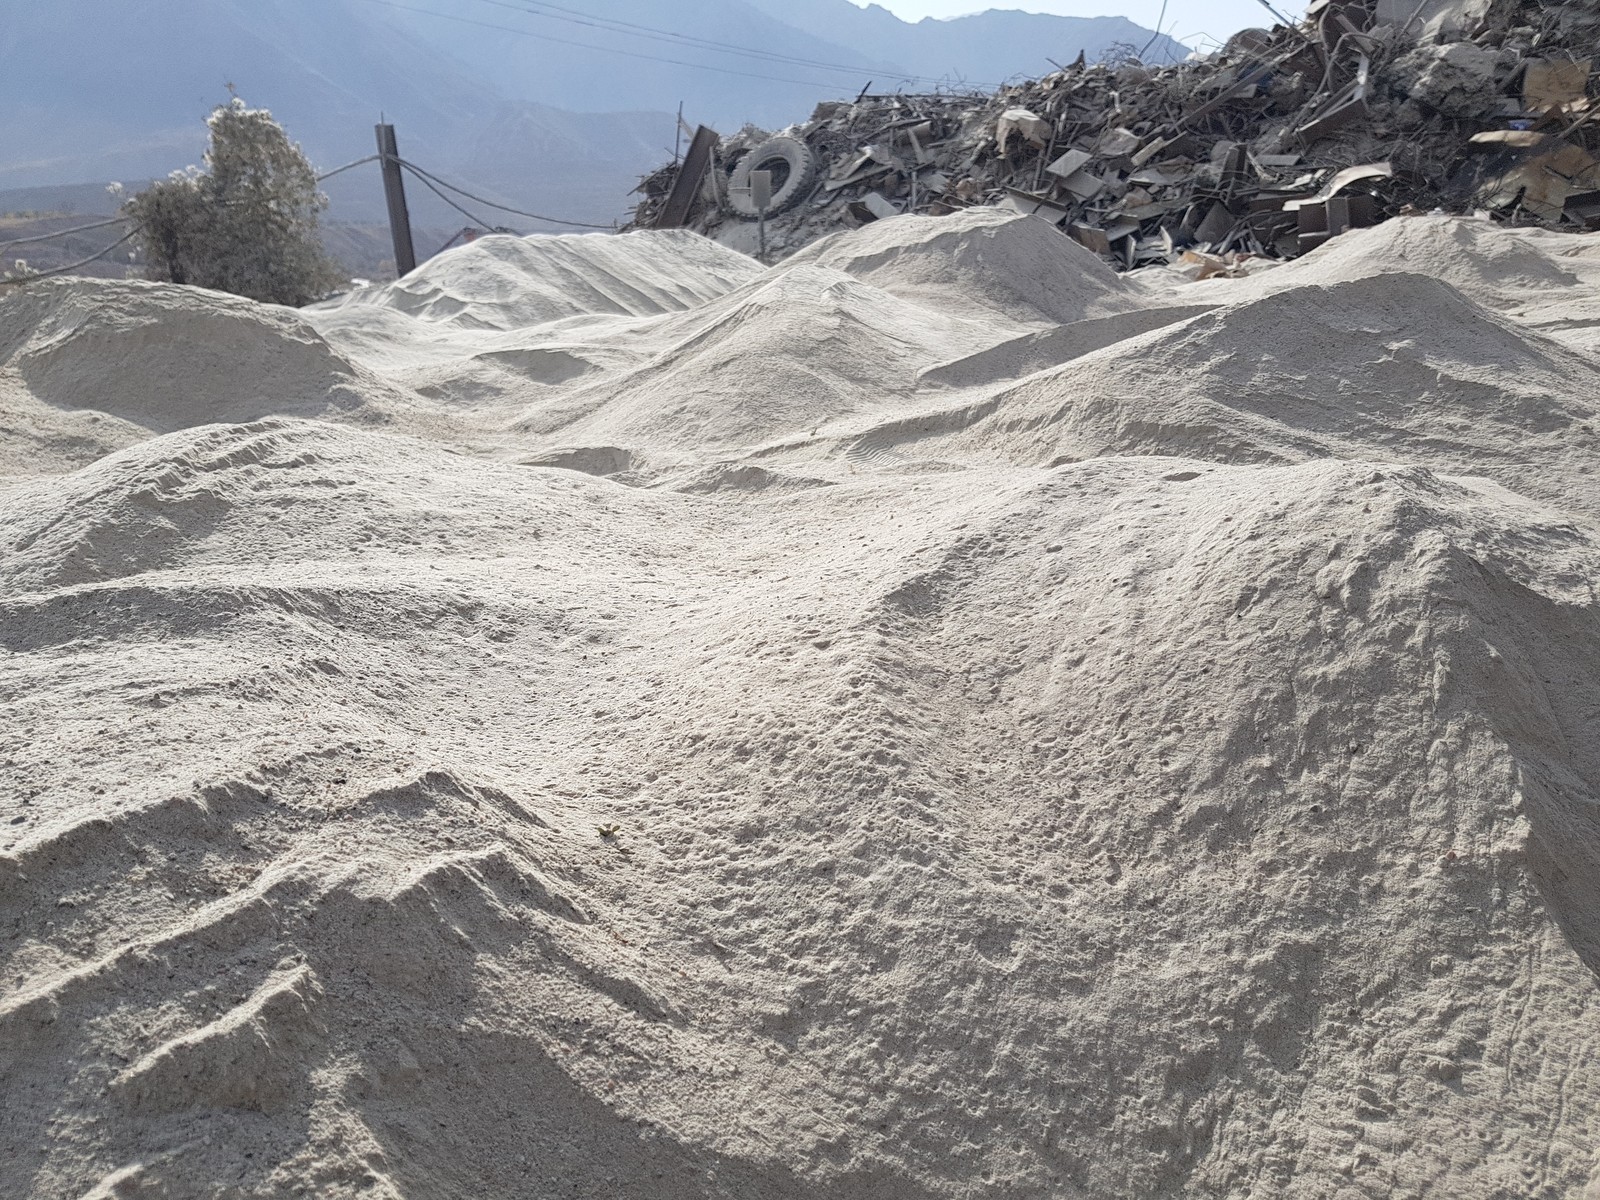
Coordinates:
(67, 270)
(60, 233)
(545, 37)
(424, 177)
(473, 217)
(492, 204)
(360, 162)
(558, 12)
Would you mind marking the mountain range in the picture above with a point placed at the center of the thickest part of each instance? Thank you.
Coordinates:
(553, 108)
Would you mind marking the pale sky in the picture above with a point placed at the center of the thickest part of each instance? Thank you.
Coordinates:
(1186, 20)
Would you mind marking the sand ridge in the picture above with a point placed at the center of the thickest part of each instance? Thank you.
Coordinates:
(770, 761)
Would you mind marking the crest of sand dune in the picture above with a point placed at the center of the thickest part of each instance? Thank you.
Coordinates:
(983, 263)
(600, 718)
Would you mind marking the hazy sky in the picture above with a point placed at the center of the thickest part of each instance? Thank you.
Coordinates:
(1185, 18)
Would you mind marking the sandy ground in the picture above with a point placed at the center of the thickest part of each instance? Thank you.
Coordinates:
(934, 719)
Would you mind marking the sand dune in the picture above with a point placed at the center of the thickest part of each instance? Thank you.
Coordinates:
(784, 354)
(502, 282)
(1158, 757)
(982, 263)
(91, 365)
(1398, 366)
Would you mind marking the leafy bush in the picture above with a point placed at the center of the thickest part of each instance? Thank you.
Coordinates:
(247, 223)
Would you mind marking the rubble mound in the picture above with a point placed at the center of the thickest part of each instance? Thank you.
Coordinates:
(502, 282)
(981, 262)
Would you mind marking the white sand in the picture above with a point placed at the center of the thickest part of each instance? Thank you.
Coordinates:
(1152, 756)
(985, 262)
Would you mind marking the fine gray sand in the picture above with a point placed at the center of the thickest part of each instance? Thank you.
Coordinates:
(933, 719)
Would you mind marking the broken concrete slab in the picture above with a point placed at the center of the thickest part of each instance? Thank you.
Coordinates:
(1020, 121)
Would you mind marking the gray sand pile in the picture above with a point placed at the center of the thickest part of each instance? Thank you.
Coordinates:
(787, 353)
(1494, 266)
(1164, 764)
(1545, 280)
(91, 365)
(1399, 365)
(503, 282)
(981, 262)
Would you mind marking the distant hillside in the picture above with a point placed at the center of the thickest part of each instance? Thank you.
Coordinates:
(559, 113)
(990, 47)
(554, 59)
(818, 49)
(102, 91)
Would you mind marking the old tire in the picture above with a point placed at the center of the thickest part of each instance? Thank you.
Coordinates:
(794, 170)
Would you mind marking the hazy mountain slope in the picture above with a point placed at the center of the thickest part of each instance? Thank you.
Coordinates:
(540, 62)
(106, 83)
(984, 47)
(554, 113)
(100, 91)
(717, 84)
(988, 46)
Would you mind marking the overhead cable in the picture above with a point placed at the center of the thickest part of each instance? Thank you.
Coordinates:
(614, 25)
(471, 216)
(60, 233)
(545, 37)
(360, 162)
(67, 270)
(502, 207)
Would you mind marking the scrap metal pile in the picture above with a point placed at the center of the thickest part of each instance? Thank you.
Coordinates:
(1281, 140)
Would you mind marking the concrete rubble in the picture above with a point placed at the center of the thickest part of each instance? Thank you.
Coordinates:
(1278, 142)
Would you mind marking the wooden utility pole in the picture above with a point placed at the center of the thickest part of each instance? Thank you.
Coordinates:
(394, 190)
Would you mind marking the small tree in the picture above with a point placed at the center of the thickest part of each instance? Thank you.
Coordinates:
(248, 223)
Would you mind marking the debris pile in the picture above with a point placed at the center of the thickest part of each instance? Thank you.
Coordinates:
(1281, 140)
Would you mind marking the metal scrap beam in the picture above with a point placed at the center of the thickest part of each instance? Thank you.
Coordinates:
(675, 213)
